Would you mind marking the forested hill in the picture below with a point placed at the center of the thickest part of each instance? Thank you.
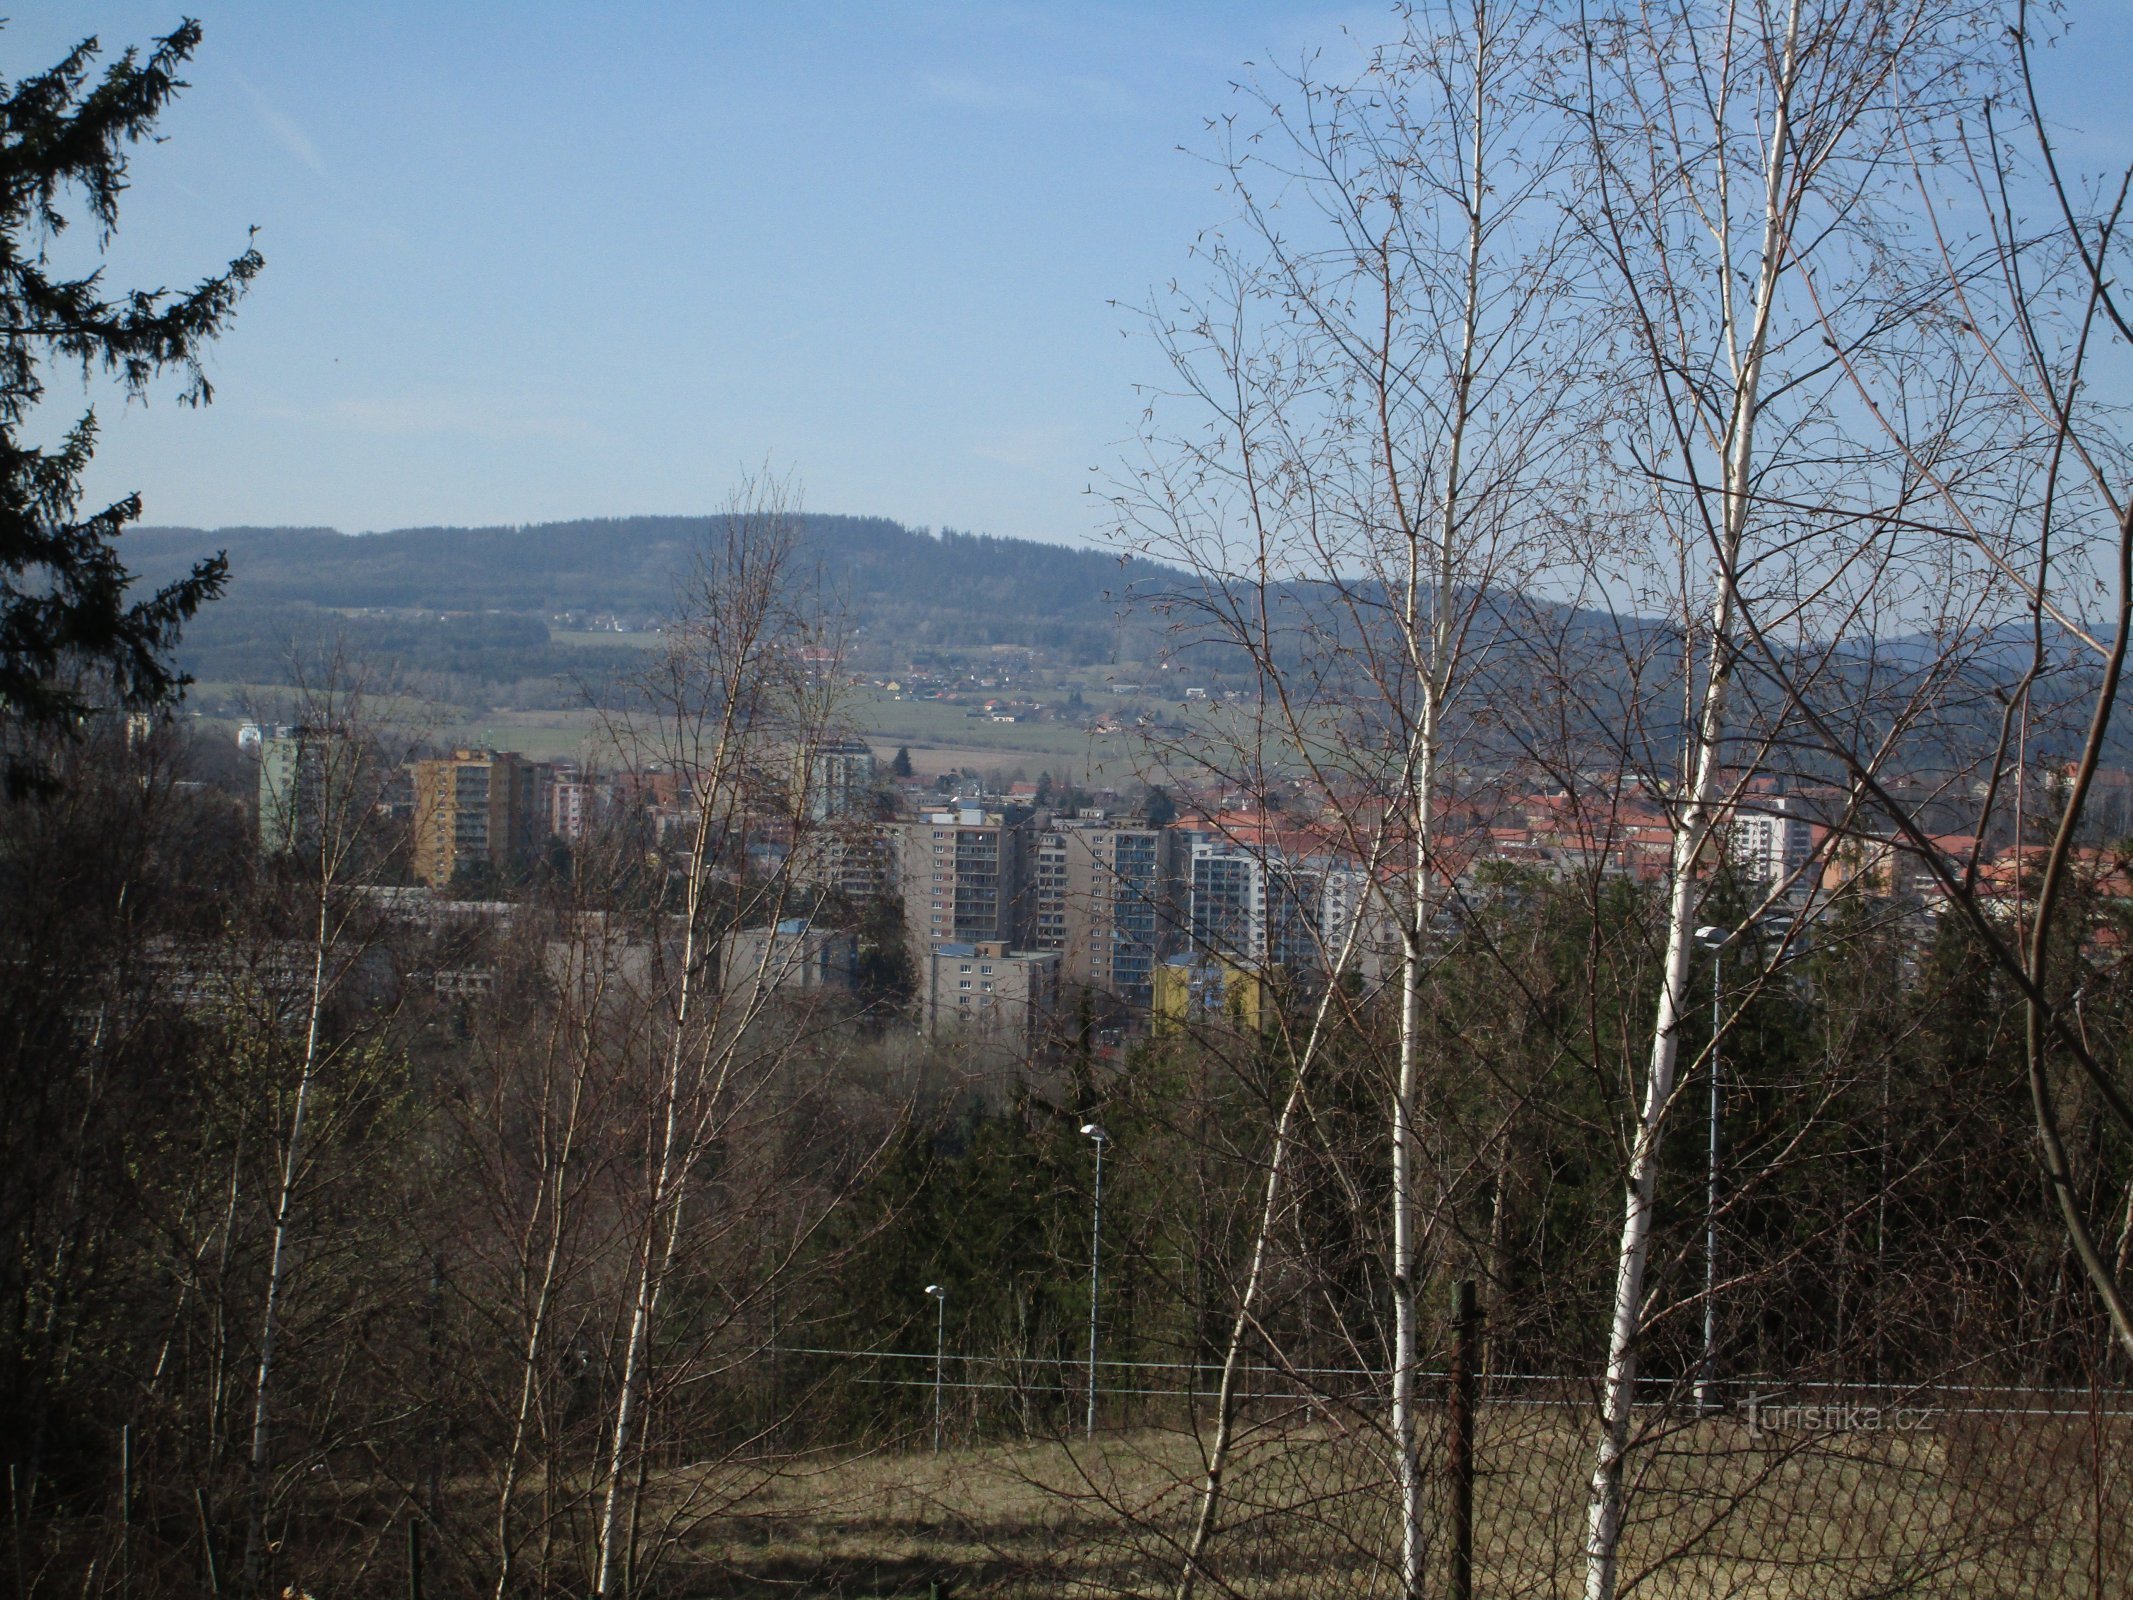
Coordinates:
(502, 616)
(480, 601)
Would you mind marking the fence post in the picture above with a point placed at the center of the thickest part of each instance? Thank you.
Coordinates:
(126, 1508)
(1460, 1461)
(18, 1527)
(414, 1557)
(207, 1544)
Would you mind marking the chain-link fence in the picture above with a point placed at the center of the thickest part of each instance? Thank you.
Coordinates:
(1743, 1486)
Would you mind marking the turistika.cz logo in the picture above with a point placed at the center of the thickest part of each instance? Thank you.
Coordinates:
(1842, 1416)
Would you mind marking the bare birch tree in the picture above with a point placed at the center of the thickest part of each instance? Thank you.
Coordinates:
(1733, 149)
(742, 701)
(2035, 310)
(320, 813)
(1383, 367)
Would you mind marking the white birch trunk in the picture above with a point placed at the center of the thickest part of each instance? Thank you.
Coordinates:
(258, 1460)
(663, 1209)
(1692, 830)
(1430, 644)
(1406, 1245)
(530, 1353)
(682, 1141)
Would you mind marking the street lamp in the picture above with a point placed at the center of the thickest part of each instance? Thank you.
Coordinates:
(940, 1355)
(1714, 940)
(1096, 1239)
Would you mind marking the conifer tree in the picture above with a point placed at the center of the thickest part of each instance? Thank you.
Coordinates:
(65, 610)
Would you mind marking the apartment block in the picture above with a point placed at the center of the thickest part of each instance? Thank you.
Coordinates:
(840, 779)
(293, 772)
(1051, 908)
(574, 803)
(990, 993)
(1357, 916)
(790, 959)
(1254, 906)
(854, 857)
(477, 808)
(1106, 895)
(1193, 991)
(966, 876)
(1771, 839)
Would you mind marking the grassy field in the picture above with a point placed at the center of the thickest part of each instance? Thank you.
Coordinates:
(934, 722)
(603, 638)
(940, 738)
(1993, 1508)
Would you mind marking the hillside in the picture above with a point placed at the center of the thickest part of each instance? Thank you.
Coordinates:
(527, 618)
(485, 604)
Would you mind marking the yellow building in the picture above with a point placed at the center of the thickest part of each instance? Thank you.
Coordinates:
(476, 808)
(1202, 989)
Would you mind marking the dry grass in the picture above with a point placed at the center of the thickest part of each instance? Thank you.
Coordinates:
(1978, 1509)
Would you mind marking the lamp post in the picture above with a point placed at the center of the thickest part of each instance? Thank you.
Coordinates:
(940, 1355)
(1715, 941)
(1096, 1239)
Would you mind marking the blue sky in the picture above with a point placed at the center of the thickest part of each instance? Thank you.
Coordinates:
(549, 260)
(535, 261)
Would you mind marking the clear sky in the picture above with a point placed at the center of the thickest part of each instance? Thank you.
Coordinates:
(540, 260)
(534, 261)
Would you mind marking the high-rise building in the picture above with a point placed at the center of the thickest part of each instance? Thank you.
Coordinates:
(574, 803)
(852, 856)
(477, 808)
(840, 779)
(1048, 897)
(1106, 897)
(1228, 900)
(293, 774)
(1254, 905)
(1262, 907)
(1771, 839)
(966, 876)
(1358, 916)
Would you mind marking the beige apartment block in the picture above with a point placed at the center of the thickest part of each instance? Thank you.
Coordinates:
(852, 855)
(965, 874)
(1107, 895)
(987, 993)
(476, 808)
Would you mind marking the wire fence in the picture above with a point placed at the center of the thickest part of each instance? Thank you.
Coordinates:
(1773, 1485)
(1771, 1399)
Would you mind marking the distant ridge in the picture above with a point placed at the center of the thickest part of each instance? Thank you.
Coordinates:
(474, 612)
(628, 564)
(918, 589)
